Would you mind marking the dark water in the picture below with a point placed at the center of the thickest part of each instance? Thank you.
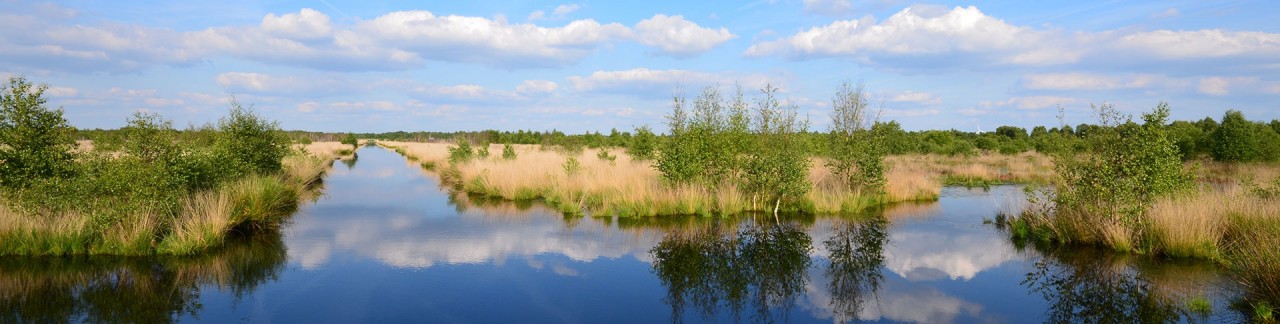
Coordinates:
(385, 243)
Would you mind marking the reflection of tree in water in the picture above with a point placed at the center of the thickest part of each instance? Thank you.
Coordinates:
(131, 290)
(1092, 286)
(856, 256)
(718, 265)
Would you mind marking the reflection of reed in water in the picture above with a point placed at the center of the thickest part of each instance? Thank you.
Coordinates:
(912, 210)
(131, 289)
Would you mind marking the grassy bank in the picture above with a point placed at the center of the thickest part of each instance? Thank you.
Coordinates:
(613, 183)
(204, 221)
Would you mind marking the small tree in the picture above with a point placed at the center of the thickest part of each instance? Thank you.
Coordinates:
(1234, 140)
(250, 140)
(643, 145)
(779, 166)
(856, 153)
(350, 139)
(35, 141)
(508, 152)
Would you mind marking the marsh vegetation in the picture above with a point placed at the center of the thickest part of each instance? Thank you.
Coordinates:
(144, 189)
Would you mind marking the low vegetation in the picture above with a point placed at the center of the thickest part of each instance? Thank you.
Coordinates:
(144, 189)
(1128, 190)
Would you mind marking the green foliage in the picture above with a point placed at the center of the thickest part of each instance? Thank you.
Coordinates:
(1234, 140)
(705, 145)
(35, 141)
(461, 153)
(250, 141)
(571, 166)
(1128, 166)
(604, 155)
(482, 151)
(857, 147)
(350, 139)
(508, 152)
(778, 167)
(644, 145)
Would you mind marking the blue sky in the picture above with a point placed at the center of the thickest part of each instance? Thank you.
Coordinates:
(590, 66)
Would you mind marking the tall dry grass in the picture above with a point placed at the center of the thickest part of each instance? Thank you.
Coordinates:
(627, 187)
(1028, 167)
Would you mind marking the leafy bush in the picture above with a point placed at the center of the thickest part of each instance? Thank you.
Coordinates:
(251, 142)
(35, 141)
(461, 153)
(778, 168)
(857, 148)
(644, 145)
(1105, 193)
(706, 144)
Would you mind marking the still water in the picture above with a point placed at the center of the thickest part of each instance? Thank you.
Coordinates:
(386, 244)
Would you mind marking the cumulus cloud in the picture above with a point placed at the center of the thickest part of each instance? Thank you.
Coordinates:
(916, 97)
(289, 85)
(396, 40)
(923, 37)
(920, 31)
(536, 87)
(1220, 86)
(675, 36)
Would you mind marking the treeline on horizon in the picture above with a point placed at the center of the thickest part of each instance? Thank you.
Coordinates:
(1232, 138)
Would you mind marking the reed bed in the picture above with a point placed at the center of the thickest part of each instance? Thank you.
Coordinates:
(612, 183)
(978, 170)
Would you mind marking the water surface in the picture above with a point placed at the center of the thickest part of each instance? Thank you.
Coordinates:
(386, 243)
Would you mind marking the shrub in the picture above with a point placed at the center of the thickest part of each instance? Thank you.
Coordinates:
(36, 141)
(1106, 192)
(857, 149)
(779, 167)
(461, 153)
(571, 166)
(643, 144)
(250, 141)
(508, 152)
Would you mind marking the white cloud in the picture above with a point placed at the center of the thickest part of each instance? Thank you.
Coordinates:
(566, 9)
(1220, 86)
(396, 40)
(923, 37)
(678, 37)
(1031, 102)
(306, 24)
(828, 7)
(536, 87)
(920, 31)
(60, 91)
(1090, 81)
(536, 15)
(290, 85)
(916, 97)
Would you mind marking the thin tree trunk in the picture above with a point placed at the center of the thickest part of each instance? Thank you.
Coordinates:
(776, 203)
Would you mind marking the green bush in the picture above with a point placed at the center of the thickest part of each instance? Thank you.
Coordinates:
(778, 168)
(35, 141)
(251, 142)
(643, 145)
(857, 148)
(1127, 167)
(508, 152)
(461, 153)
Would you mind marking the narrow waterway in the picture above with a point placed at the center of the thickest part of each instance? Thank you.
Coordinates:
(386, 244)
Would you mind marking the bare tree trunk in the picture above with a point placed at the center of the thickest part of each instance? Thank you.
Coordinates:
(776, 203)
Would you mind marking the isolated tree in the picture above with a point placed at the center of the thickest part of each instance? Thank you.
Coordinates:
(643, 145)
(778, 169)
(256, 144)
(35, 141)
(1234, 140)
(856, 153)
(350, 139)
